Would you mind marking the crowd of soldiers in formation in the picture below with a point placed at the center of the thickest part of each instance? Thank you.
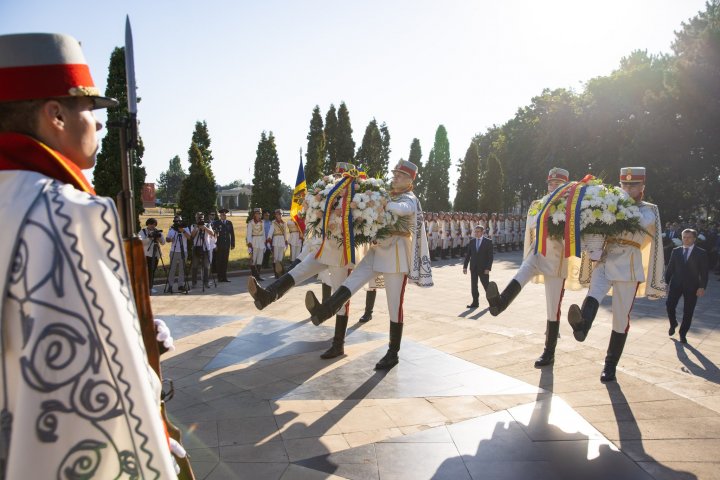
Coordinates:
(449, 233)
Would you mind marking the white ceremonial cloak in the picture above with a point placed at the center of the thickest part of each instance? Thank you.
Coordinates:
(76, 384)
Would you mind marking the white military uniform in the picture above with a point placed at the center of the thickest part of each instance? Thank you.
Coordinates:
(255, 235)
(457, 233)
(398, 257)
(550, 269)
(446, 233)
(295, 240)
(509, 232)
(279, 240)
(632, 264)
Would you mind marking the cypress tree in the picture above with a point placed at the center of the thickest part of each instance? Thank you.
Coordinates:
(416, 158)
(491, 189)
(107, 177)
(198, 189)
(468, 186)
(315, 154)
(385, 157)
(331, 140)
(438, 190)
(201, 138)
(369, 155)
(345, 142)
(266, 189)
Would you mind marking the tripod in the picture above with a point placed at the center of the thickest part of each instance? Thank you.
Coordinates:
(205, 262)
(153, 262)
(183, 264)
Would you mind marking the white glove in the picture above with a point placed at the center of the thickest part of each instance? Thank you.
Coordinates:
(163, 335)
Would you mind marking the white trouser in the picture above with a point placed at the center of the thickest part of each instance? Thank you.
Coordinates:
(554, 286)
(446, 242)
(258, 246)
(623, 296)
(295, 251)
(278, 254)
(310, 267)
(394, 285)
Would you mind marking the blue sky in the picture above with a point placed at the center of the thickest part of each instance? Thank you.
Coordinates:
(248, 66)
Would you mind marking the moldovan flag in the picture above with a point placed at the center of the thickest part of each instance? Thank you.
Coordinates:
(298, 198)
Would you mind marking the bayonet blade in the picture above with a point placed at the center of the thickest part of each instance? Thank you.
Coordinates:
(130, 68)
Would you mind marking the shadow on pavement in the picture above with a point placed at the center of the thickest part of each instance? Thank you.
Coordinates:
(706, 370)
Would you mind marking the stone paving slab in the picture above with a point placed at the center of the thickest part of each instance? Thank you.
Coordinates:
(256, 402)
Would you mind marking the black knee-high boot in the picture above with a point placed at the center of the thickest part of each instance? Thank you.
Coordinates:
(500, 301)
(614, 351)
(326, 292)
(338, 342)
(265, 296)
(369, 305)
(391, 357)
(322, 311)
(551, 337)
(582, 320)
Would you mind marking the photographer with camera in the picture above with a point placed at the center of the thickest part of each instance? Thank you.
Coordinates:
(152, 238)
(202, 241)
(178, 234)
(225, 242)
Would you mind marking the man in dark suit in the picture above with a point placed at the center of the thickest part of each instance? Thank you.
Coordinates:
(687, 276)
(225, 243)
(479, 254)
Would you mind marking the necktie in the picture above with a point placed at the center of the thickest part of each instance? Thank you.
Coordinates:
(477, 244)
(686, 254)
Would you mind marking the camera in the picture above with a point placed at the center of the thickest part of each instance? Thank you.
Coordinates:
(178, 225)
(200, 223)
(156, 234)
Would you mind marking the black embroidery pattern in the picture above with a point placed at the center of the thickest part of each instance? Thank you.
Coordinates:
(66, 358)
(421, 263)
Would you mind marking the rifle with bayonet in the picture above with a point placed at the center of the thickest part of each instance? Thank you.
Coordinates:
(134, 251)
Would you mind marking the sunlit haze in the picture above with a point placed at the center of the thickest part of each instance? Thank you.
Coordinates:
(245, 67)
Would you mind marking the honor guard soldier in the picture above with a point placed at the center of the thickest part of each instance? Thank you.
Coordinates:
(295, 240)
(632, 265)
(280, 236)
(398, 257)
(550, 269)
(255, 239)
(225, 242)
(79, 398)
(508, 233)
(329, 259)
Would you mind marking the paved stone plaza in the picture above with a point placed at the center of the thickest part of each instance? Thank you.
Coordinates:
(257, 402)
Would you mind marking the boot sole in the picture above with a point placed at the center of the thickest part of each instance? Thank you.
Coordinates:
(492, 295)
(544, 363)
(577, 323)
(253, 290)
(386, 366)
(327, 356)
(311, 304)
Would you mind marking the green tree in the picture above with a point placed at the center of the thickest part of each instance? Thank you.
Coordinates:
(468, 186)
(266, 188)
(316, 148)
(170, 181)
(437, 195)
(107, 177)
(198, 189)
(331, 140)
(491, 189)
(285, 196)
(386, 150)
(201, 138)
(421, 180)
(345, 142)
(369, 155)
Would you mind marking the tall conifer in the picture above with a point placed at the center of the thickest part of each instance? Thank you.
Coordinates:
(266, 189)
(331, 140)
(316, 148)
(416, 158)
(345, 142)
(468, 186)
(107, 178)
(369, 155)
(198, 189)
(438, 186)
(491, 189)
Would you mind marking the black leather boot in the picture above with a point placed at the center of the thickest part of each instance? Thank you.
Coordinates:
(322, 311)
(265, 296)
(444, 254)
(326, 292)
(551, 337)
(582, 320)
(255, 272)
(338, 343)
(294, 264)
(500, 301)
(614, 351)
(369, 305)
(391, 357)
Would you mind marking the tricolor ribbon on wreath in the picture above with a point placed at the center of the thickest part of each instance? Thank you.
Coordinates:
(344, 190)
(572, 216)
(544, 218)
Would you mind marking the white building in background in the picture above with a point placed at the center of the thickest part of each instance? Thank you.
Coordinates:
(231, 198)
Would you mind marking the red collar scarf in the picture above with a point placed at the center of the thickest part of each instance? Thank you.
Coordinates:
(21, 152)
